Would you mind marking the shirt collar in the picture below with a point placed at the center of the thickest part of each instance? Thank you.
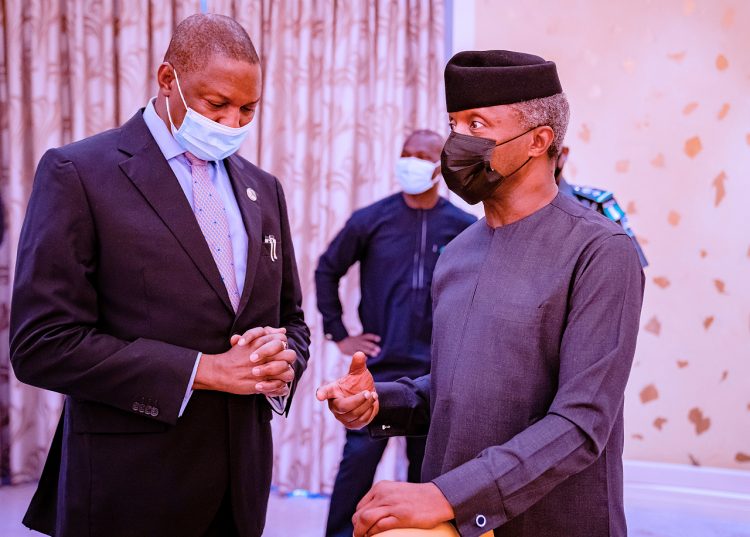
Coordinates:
(169, 147)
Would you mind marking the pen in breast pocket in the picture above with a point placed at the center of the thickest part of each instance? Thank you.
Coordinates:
(271, 241)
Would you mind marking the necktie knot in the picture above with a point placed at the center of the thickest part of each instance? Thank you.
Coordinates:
(195, 161)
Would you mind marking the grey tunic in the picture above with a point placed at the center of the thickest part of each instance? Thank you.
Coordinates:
(535, 327)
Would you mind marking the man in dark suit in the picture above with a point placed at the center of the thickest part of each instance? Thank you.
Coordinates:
(535, 318)
(157, 288)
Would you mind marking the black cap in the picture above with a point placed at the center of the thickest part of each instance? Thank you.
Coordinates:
(479, 78)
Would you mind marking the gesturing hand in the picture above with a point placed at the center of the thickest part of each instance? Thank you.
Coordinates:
(352, 398)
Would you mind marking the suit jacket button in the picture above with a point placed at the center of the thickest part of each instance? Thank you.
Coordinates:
(481, 521)
(148, 410)
(154, 411)
(135, 407)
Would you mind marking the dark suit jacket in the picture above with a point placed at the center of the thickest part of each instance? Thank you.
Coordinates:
(115, 293)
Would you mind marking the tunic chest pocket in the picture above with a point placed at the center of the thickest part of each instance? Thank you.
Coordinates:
(519, 313)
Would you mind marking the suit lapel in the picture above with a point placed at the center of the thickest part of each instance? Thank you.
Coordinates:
(153, 177)
(242, 180)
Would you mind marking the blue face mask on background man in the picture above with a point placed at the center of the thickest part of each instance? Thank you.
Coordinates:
(415, 175)
(203, 137)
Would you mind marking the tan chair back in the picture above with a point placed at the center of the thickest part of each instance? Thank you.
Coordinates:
(443, 530)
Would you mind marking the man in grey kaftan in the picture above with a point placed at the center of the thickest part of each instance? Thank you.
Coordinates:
(538, 322)
(536, 311)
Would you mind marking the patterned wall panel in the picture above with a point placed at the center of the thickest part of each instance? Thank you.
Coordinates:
(661, 116)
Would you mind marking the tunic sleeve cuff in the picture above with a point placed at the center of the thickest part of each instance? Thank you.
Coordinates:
(393, 416)
(474, 496)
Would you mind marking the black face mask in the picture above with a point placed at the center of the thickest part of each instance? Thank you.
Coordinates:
(465, 165)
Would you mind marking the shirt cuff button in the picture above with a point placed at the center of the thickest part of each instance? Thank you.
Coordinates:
(481, 521)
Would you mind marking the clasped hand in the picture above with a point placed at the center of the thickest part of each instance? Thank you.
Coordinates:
(259, 361)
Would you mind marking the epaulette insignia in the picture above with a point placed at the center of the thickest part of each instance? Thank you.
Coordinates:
(612, 210)
(592, 194)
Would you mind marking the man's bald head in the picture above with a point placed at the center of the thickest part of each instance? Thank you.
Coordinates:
(427, 135)
(424, 144)
(200, 37)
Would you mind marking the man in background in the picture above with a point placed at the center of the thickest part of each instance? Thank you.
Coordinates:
(397, 242)
(152, 263)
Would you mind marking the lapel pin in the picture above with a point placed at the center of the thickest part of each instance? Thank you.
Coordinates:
(271, 242)
(252, 195)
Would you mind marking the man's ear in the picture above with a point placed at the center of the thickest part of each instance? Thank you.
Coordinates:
(165, 79)
(543, 137)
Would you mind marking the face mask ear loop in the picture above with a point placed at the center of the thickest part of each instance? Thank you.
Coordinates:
(169, 113)
(517, 169)
(179, 89)
(515, 137)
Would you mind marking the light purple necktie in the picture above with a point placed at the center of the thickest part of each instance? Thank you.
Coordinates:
(212, 218)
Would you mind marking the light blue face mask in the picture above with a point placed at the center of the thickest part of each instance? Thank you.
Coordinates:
(415, 175)
(203, 137)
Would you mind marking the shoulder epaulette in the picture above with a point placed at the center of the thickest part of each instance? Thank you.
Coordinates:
(594, 195)
(604, 202)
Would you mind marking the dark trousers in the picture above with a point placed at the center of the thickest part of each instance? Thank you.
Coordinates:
(356, 473)
(223, 523)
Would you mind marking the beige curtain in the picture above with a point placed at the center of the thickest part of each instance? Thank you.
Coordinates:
(343, 83)
(68, 69)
